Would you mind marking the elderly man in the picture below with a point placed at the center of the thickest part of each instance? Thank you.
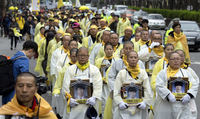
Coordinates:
(82, 70)
(122, 24)
(143, 41)
(128, 35)
(26, 102)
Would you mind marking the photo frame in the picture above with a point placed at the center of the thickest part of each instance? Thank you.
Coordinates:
(178, 86)
(103, 72)
(149, 65)
(132, 93)
(81, 90)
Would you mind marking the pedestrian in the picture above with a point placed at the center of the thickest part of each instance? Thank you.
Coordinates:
(1, 23)
(13, 26)
(113, 25)
(32, 30)
(28, 24)
(6, 23)
(20, 20)
(21, 64)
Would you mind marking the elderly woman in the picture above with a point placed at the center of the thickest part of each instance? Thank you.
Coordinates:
(167, 107)
(179, 40)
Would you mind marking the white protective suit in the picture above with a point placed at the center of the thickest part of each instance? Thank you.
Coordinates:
(124, 77)
(115, 68)
(92, 73)
(167, 110)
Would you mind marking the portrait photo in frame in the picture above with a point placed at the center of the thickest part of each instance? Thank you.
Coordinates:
(81, 90)
(132, 93)
(178, 86)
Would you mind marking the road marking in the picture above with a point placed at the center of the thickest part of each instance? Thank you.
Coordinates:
(195, 63)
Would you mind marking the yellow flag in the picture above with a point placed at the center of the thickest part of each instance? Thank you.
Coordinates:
(60, 4)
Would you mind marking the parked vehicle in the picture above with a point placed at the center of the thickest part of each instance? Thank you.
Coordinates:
(120, 7)
(134, 17)
(192, 32)
(129, 13)
(156, 21)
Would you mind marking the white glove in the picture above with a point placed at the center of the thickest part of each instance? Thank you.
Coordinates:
(123, 105)
(73, 102)
(56, 95)
(91, 101)
(153, 44)
(171, 98)
(142, 105)
(185, 99)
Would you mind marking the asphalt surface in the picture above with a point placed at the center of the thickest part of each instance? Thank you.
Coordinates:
(5, 50)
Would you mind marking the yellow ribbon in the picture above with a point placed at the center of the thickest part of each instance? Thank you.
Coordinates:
(134, 70)
(125, 60)
(143, 42)
(115, 48)
(171, 72)
(103, 27)
(65, 49)
(68, 96)
(146, 28)
(103, 43)
(42, 36)
(108, 58)
(159, 50)
(83, 67)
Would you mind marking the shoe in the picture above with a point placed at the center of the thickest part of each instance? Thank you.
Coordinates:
(11, 48)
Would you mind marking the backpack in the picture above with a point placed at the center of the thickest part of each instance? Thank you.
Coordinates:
(6, 74)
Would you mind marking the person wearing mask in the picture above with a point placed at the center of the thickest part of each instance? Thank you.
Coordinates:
(26, 103)
(13, 26)
(179, 40)
(166, 105)
(83, 70)
(131, 74)
(57, 92)
(128, 35)
(122, 24)
(27, 26)
(91, 39)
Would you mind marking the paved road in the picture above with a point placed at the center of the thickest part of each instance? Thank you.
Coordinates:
(5, 49)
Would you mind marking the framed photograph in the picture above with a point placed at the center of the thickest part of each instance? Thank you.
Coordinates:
(132, 93)
(81, 90)
(178, 86)
(149, 65)
(103, 70)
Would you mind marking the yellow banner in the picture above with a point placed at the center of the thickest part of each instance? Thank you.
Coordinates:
(132, 101)
(60, 4)
(81, 101)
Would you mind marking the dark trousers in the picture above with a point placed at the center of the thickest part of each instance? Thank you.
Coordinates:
(1, 31)
(15, 39)
(6, 31)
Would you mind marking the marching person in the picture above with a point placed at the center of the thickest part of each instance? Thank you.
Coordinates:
(134, 74)
(179, 40)
(166, 105)
(82, 70)
(122, 24)
(13, 25)
(26, 103)
(128, 35)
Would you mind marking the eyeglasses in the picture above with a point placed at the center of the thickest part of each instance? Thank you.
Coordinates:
(177, 59)
(83, 55)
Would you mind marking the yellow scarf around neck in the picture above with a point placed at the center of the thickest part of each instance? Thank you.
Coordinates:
(108, 58)
(125, 60)
(123, 20)
(146, 28)
(83, 67)
(104, 27)
(115, 48)
(159, 50)
(134, 70)
(65, 49)
(103, 42)
(143, 42)
(42, 36)
(171, 72)
(183, 66)
(177, 37)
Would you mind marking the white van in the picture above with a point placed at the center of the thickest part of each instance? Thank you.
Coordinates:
(120, 7)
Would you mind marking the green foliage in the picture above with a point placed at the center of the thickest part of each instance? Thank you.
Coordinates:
(182, 14)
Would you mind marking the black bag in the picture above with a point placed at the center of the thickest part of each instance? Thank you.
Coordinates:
(6, 75)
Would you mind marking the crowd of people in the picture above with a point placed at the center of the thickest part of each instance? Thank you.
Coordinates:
(97, 67)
